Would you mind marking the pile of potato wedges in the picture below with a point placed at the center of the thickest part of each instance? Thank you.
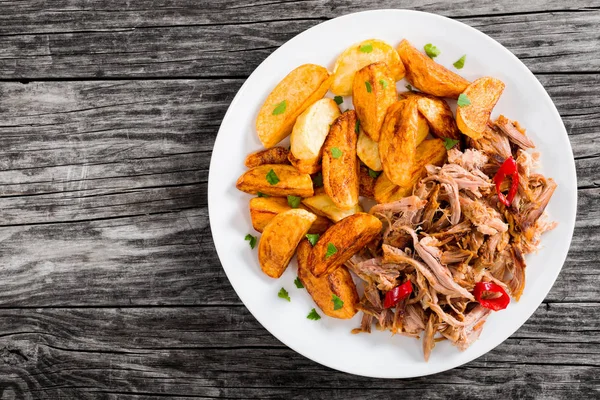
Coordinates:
(377, 149)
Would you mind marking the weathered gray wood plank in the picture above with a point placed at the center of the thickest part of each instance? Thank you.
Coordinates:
(223, 352)
(546, 42)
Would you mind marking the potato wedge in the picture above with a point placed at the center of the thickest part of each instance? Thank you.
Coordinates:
(368, 151)
(280, 239)
(438, 114)
(483, 94)
(360, 55)
(427, 75)
(298, 90)
(342, 241)
(373, 91)
(263, 210)
(431, 151)
(322, 205)
(322, 289)
(366, 183)
(311, 129)
(305, 166)
(340, 164)
(274, 155)
(398, 141)
(289, 182)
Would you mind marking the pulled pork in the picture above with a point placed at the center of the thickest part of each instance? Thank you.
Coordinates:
(451, 234)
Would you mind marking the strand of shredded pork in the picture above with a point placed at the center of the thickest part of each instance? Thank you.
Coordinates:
(451, 234)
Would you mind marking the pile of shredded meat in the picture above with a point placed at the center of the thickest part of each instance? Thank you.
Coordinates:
(452, 234)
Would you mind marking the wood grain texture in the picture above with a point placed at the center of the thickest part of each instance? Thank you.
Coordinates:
(112, 287)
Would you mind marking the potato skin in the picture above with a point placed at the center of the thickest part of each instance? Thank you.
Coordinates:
(430, 151)
(338, 282)
(438, 114)
(300, 88)
(483, 93)
(367, 151)
(427, 75)
(366, 183)
(274, 155)
(398, 141)
(280, 239)
(348, 236)
(264, 209)
(305, 166)
(322, 205)
(340, 175)
(371, 103)
(353, 59)
(291, 182)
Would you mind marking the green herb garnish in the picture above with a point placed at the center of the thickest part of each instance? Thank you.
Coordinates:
(298, 283)
(338, 100)
(313, 315)
(460, 63)
(294, 201)
(251, 240)
(337, 302)
(409, 88)
(280, 108)
(259, 194)
(449, 143)
(463, 100)
(374, 174)
(366, 48)
(383, 83)
(284, 294)
(431, 50)
(272, 177)
(331, 250)
(312, 238)
(357, 126)
(318, 179)
(336, 152)
(368, 85)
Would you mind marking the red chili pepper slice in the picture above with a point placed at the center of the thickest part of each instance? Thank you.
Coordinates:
(398, 293)
(508, 168)
(497, 304)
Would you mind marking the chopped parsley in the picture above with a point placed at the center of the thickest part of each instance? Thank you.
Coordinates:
(313, 315)
(312, 238)
(460, 63)
(331, 250)
(280, 108)
(336, 152)
(284, 294)
(357, 126)
(431, 50)
(251, 239)
(368, 85)
(366, 48)
(272, 177)
(318, 179)
(338, 100)
(259, 194)
(409, 87)
(298, 283)
(374, 174)
(449, 143)
(463, 100)
(337, 302)
(294, 201)
(383, 83)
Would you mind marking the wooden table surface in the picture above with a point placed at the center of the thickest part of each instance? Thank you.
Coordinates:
(111, 284)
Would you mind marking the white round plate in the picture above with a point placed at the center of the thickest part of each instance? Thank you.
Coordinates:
(329, 341)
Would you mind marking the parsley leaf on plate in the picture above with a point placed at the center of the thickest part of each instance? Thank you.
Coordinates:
(313, 315)
(460, 63)
(338, 100)
(312, 238)
(259, 194)
(368, 85)
(463, 100)
(280, 108)
(431, 50)
(294, 201)
(251, 240)
(374, 174)
(449, 143)
(337, 302)
(272, 177)
(284, 294)
(331, 250)
(366, 48)
(298, 283)
(336, 152)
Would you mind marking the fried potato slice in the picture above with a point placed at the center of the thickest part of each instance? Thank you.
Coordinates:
(360, 55)
(274, 155)
(311, 129)
(427, 75)
(305, 166)
(340, 164)
(298, 90)
(437, 113)
(280, 239)
(431, 151)
(289, 182)
(483, 94)
(263, 210)
(342, 241)
(368, 151)
(373, 91)
(322, 205)
(366, 183)
(322, 290)
(398, 141)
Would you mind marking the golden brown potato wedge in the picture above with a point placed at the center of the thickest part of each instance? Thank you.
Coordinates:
(305, 166)
(275, 180)
(280, 239)
(366, 182)
(437, 113)
(430, 151)
(274, 155)
(483, 94)
(360, 55)
(321, 204)
(398, 141)
(263, 210)
(340, 164)
(427, 75)
(310, 130)
(342, 241)
(322, 290)
(298, 90)
(373, 91)
(368, 151)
